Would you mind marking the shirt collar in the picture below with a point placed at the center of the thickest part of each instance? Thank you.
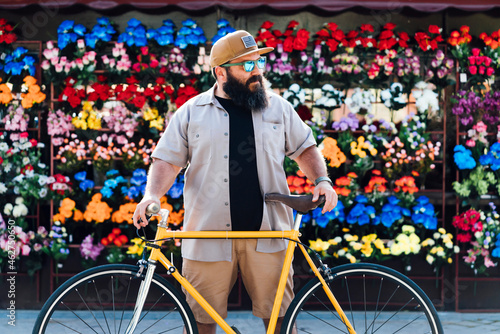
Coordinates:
(209, 97)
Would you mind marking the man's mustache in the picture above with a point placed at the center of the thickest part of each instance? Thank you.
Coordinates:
(255, 78)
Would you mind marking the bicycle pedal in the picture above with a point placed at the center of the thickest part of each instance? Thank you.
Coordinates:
(235, 330)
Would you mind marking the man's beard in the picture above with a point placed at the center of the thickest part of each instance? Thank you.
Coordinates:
(243, 96)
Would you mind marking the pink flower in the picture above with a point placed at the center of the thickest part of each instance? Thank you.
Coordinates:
(480, 127)
(473, 70)
(475, 52)
(470, 143)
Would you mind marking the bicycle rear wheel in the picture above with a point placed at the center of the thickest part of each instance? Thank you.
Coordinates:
(375, 299)
(102, 300)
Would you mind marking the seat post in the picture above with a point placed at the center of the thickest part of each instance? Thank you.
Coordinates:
(298, 219)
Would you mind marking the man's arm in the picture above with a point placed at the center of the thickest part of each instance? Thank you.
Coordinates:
(313, 165)
(161, 177)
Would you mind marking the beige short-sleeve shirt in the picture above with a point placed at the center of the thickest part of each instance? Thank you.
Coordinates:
(197, 137)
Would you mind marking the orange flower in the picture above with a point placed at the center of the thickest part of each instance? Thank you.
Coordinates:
(34, 94)
(352, 175)
(406, 184)
(341, 191)
(376, 183)
(343, 181)
(176, 218)
(5, 94)
(332, 152)
(78, 216)
(96, 210)
(125, 213)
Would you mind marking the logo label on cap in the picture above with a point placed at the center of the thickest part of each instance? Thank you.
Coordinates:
(248, 41)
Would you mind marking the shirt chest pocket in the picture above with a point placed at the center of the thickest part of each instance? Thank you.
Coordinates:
(200, 146)
(273, 139)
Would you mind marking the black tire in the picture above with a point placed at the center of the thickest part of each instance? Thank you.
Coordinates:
(375, 299)
(102, 299)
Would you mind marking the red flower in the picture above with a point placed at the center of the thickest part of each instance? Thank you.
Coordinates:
(33, 142)
(434, 29)
(304, 113)
(132, 80)
(267, 25)
(292, 24)
(1, 160)
(367, 27)
(389, 26)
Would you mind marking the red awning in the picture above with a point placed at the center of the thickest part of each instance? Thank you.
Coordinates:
(328, 5)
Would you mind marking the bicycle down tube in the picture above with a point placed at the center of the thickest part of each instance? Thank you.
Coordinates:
(293, 236)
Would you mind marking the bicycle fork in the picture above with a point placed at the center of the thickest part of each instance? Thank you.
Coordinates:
(143, 292)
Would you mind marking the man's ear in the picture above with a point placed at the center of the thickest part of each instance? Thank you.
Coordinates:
(220, 73)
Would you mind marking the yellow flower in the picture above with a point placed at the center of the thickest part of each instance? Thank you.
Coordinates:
(355, 245)
(430, 259)
(157, 123)
(367, 250)
(150, 114)
(319, 245)
(350, 237)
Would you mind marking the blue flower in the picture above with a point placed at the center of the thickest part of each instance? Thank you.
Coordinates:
(361, 199)
(120, 179)
(80, 176)
(111, 183)
(139, 173)
(137, 181)
(133, 192)
(189, 23)
(133, 22)
(86, 184)
(112, 172)
(176, 190)
(65, 27)
(463, 158)
(106, 192)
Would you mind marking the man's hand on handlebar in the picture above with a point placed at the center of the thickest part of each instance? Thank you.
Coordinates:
(331, 198)
(140, 219)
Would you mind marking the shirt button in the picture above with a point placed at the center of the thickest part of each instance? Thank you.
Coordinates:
(274, 127)
(226, 204)
(226, 134)
(225, 180)
(225, 115)
(228, 225)
(225, 157)
(197, 135)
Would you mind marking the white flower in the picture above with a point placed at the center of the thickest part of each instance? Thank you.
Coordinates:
(4, 147)
(8, 209)
(3, 188)
(42, 180)
(19, 200)
(42, 193)
(20, 210)
(7, 168)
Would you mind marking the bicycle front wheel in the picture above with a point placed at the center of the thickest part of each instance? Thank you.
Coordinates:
(102, 300)
(375, 299)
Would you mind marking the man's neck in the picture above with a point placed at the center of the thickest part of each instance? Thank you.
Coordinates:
(220, 92)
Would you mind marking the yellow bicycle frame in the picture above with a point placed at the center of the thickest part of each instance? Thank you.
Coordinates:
(156, 255)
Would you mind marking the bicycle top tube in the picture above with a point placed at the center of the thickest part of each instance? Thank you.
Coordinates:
(300, 203)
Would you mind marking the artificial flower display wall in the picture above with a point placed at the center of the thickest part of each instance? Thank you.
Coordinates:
(373, 100)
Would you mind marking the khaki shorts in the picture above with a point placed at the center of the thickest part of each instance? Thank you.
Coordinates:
(260, 273)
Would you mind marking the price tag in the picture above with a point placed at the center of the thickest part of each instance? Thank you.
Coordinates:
(463, 77)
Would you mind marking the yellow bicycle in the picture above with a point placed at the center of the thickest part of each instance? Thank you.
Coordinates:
(353, 298)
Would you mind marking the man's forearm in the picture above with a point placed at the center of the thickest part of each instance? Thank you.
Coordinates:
(161, 177)
(312, 163)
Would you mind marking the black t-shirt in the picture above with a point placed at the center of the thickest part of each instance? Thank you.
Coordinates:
(244, 188)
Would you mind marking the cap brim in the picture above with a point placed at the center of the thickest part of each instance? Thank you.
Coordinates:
(261, 51)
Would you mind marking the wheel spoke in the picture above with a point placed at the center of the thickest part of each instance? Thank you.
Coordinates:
(88, 308)
(124, 303)
(378, 298)
(102, 307)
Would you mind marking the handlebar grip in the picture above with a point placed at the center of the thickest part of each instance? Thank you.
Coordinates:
(152, 208)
